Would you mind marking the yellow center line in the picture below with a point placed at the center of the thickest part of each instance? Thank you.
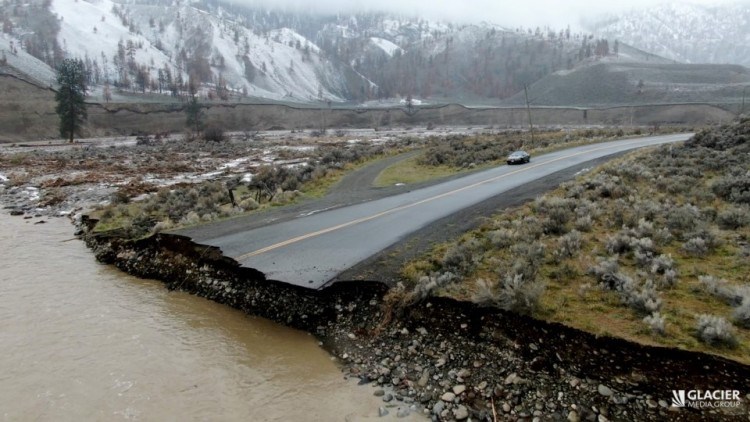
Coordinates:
(413, 204)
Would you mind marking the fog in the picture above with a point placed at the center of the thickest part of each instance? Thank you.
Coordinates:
(528, 13)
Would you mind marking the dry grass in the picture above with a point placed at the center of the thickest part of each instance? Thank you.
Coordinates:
(637, 198)
(459, 154)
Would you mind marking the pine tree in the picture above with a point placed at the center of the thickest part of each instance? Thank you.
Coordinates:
(194, 114)
(71, 77)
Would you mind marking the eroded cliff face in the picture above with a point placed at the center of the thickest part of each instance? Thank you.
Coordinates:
(446, 359)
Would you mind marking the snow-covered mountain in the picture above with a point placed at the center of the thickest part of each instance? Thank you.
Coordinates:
(688, 33)
(228, 52)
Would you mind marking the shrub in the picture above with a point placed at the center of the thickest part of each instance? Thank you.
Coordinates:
(502, 238)
(165, 224)
(530, 253)
(733, 188)
(249, 204)
(714, 331)
(427, 284)
(669, 278)
(618, 244)
(741, 313)
(583, 223)
(569, 244)
(214, 134)
(721, 289)
(661, 264)
(709, 236)
(511, 294)
(643, 300)
(695, 247)
(556, 211)
(190, 219)
(655, 322)
(460, 257)
(734, 218)
(662, 237)
(644, 228)
(683, 218)
(529, 228)
(606, 271)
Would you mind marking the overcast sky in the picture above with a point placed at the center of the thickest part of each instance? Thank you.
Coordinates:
(528, 13)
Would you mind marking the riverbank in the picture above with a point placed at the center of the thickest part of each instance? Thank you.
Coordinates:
(447, 359)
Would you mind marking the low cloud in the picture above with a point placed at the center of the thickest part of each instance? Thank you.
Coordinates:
(528, 13)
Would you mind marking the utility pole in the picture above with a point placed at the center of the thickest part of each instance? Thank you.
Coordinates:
(528, 111)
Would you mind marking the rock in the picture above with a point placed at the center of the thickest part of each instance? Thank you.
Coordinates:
(388, 397)
(663, 404)
(510, 378)
(573, 416)
(458, 389)
(351, 336)
(464, 373)
(403, 412)
(16, 212)
(651, 404)
(423, 379)
(379, 392)
(513, 379)
(574, 382)
(461, 413)
(604, 390)
(482, 385)
(438, 408)
(382, 411)
(506, 407)
(602, 418)
(448, 397)
(425, 398)
(422, 331)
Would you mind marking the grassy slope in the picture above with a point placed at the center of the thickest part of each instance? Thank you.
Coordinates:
(658, 186)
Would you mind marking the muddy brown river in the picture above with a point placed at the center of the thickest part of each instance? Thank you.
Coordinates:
(83, 341)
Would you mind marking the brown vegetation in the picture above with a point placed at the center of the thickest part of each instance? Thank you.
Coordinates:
(622, 250)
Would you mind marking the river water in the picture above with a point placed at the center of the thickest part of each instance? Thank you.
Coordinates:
(83, 341)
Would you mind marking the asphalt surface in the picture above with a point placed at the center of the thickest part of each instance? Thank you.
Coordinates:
(313, 248)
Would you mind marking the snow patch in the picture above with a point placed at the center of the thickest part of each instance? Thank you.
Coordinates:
(388, 47)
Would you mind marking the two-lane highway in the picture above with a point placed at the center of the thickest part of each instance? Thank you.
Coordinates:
(311, 250)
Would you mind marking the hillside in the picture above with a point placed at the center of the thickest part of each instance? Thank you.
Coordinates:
(229, 52)
(613, 82)
(690, 33)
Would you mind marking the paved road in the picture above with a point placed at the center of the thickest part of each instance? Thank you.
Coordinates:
(311, 250)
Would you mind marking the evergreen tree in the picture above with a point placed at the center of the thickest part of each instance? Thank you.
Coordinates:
(194, 114)
(71, 77)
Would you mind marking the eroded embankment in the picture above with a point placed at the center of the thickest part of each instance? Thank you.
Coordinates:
(448, 359)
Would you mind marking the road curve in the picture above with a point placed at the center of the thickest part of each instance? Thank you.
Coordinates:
(311, 250)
